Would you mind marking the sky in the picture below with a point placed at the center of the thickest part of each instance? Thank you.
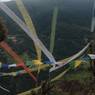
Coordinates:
(5, 0)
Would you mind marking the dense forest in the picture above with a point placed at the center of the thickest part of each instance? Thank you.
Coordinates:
(72, 30)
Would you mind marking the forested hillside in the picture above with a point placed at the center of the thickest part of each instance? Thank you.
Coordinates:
(73, 25)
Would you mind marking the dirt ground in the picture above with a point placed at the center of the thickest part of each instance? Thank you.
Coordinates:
(78, 82)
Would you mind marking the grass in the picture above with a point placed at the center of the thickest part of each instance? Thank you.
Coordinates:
(76, 82)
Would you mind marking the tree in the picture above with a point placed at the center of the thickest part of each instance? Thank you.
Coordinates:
(3, 30)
